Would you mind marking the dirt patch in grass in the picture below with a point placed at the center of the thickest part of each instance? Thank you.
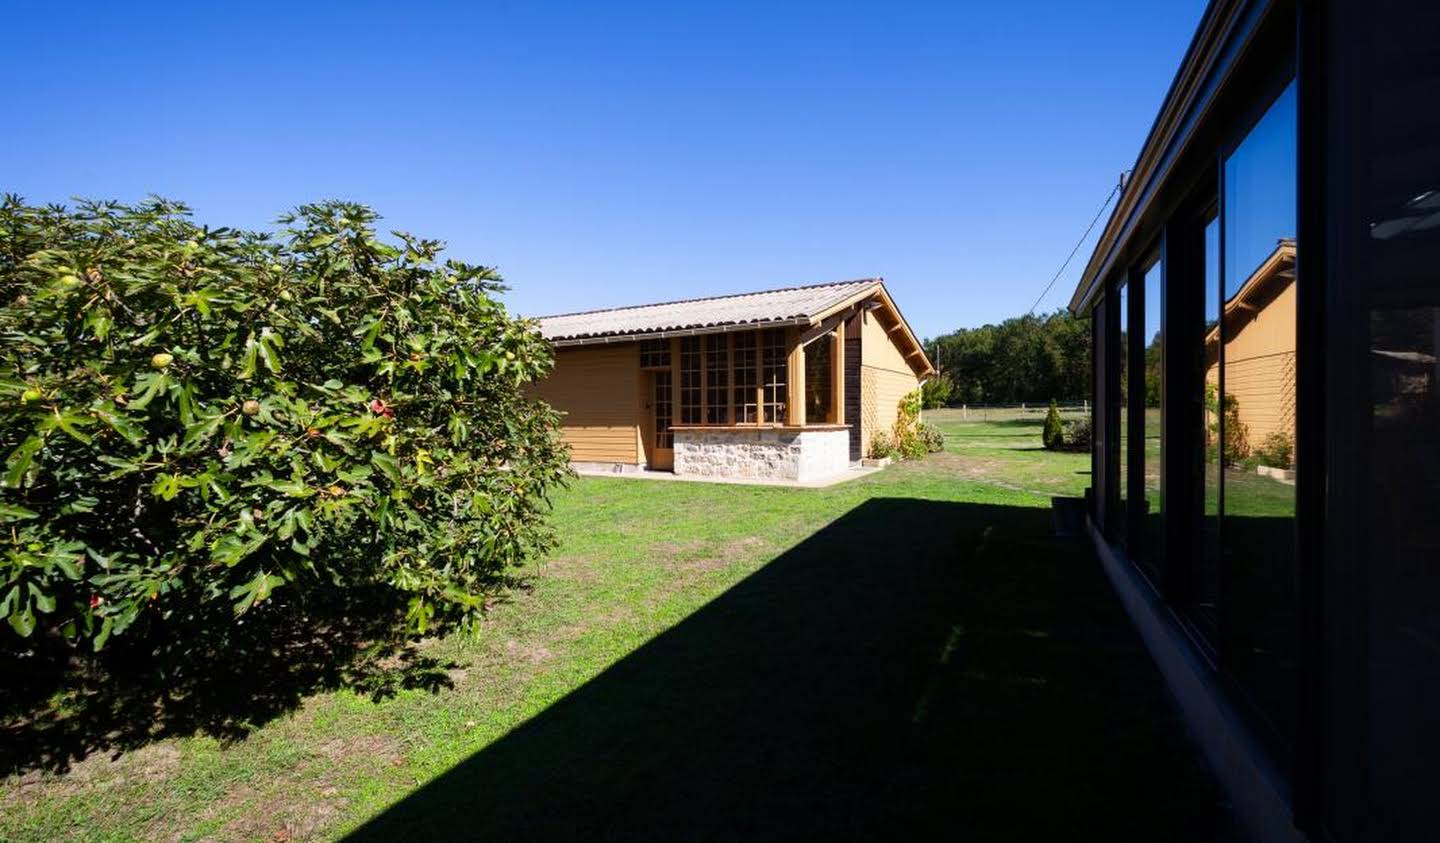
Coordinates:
(571, 568)
(152, 763)
(530, 652)
(302, 804)
(295, 816)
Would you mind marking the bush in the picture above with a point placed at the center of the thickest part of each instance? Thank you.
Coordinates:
(1052, 435)
(1237, 436)
(1076, 435)
(1276, 451)
(935, 393)
(882, 445)
(906, 432)
(932, 437)
(197, 419)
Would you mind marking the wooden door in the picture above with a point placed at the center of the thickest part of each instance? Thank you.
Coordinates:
(659, 415)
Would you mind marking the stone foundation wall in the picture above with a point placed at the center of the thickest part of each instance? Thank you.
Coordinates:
(762, 454)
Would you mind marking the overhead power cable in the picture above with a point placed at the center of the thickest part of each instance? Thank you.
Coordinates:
(1119, 186)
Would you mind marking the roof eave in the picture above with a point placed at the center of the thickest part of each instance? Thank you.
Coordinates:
(1216, 29)
(611, 339)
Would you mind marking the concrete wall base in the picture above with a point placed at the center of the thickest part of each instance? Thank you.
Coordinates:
(762, 454)
(1258, 793)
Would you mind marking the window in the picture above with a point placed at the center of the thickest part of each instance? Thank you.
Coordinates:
(690, 388)
(746, 378)
(1256, 409)
(1151, 496)
(1122, 462)
(774, 366)
(1204, 580)
(820, 380)
(654, 354)
(664, 437)
(717, 372)
(1099, 382)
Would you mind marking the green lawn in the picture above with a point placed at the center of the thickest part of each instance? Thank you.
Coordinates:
(908, 652)
(1008, 453)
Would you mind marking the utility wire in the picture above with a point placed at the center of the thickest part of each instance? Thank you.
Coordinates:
(1119, 185)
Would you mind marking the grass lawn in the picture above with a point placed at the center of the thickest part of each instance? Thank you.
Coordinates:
(1008, 453)
(907, 652)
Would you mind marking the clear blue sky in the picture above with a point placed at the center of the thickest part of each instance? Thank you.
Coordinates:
(614, 153)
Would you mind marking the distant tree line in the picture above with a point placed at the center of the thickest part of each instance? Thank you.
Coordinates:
(1023, 359)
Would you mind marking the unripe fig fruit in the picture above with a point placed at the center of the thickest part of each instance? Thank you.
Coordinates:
(161, 360)
(250, 407)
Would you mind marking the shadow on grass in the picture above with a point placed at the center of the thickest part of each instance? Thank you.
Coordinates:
(915, 667)
(58, 706)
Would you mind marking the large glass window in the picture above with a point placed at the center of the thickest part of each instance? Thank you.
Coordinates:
(1205, 569)
(1256, 409)
(1122, 351)
(717, 383)
(820, 380)
(774, 374)
(1153, 507)
(746, 378)
(654, 354)
(664, 410)
(690, 387)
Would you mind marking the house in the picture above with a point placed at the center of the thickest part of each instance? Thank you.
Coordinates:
(1260, 350)
(1279, 237)
(792, 383)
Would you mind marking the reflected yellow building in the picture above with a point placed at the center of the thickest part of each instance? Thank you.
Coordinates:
(1260, 347)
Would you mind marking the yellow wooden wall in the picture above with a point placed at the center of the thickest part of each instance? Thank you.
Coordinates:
(598, 390)
(1260, 369)
(885, 378)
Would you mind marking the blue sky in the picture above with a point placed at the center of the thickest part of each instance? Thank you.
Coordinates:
(616, 153)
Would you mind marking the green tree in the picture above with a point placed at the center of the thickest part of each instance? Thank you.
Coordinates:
(1028, 358)
(196, 420)
(1052, 436)
(935, 393)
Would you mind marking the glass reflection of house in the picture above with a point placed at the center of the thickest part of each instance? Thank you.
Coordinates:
(1260, 348)
(1288, 193)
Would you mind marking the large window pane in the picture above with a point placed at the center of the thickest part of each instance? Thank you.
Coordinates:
(820, 380)
(1122, 352)
(1205, 572)
(747, 359)
(1153, 544)
(690, 390)
(774, 375)
(1259, 634)
(717, 382)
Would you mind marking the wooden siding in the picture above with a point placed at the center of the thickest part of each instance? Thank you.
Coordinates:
(885, 377)
(598, 390)
(1260, 369)
(603, 393)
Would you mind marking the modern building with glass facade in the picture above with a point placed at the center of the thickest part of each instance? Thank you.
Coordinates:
(1265, 494)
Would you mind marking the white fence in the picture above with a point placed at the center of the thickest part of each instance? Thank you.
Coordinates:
(1006, 412)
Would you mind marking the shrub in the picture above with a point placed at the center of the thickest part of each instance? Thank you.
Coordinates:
(1237, 434)
(1277, 450)
(1052, 435)
(935, 393)
(1237, 441)
(197, 419)
(882, 445)
(932, 437)
(1076, 435)
(906, 432)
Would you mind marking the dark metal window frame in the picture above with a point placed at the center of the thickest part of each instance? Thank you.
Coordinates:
(1257, 62)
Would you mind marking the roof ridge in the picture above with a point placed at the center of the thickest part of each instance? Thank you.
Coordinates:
(871, 280)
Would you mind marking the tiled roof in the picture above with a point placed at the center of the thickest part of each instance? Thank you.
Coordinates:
(790, 304)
